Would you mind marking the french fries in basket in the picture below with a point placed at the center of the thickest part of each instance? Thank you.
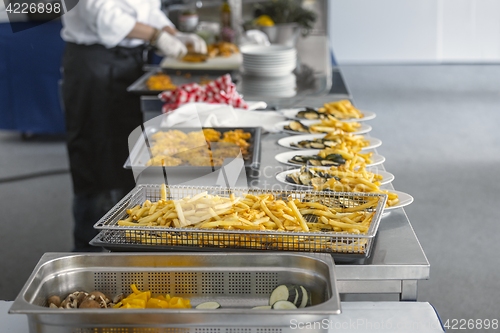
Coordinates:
(264, 212)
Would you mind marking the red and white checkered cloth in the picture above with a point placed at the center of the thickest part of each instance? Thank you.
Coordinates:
(221, 90)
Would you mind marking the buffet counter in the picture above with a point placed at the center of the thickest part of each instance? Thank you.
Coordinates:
(388, 317)
(397, 260)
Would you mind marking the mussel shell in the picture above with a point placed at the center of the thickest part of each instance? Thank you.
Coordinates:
(318, 181)
(299, 158)
(305, 178)
(335, 158)
(297, 126)
(308, 114)
(329, 163)
(329, 143)
(317, 145)
(293, 178)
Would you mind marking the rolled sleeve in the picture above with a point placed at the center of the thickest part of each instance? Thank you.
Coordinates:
(158, 19)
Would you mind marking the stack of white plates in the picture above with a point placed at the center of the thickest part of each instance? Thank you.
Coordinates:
(278, 86)
(268, 61)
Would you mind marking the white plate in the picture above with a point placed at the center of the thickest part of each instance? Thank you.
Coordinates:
(258, 50)
(281, 177)
(271, 72)
(292, 114)
(365, 128)
(404, 200)
(284, 157)
(284, 62)
(285, 142)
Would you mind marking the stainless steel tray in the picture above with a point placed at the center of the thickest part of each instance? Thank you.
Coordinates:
(161, 238)
(238, 281)
(140, 154)
(178, 77)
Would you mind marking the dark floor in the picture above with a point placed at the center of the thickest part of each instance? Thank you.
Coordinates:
(439, 127)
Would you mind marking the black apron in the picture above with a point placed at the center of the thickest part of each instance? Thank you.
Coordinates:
(100, 114)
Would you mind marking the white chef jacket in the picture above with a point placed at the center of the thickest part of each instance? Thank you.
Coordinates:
(108, 22)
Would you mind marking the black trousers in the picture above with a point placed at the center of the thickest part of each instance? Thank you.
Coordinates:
(100, 115)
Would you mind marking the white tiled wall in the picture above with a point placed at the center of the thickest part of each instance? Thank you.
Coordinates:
(415, 30)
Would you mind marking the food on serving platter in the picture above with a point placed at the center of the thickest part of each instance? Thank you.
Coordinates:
(332, 140)
(311, 114)
(341, 110)
(334, 157)
(160, 81)
(207, 147)
(317, 176)
(329, 125)
(262, 212)
(219, 49)
(342, 179)
(195, 57)
(136, 300)
(222, 49)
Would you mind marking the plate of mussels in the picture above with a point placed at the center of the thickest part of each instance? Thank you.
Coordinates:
(306, 178)
(311, 157)
(318, 141)
(309, 126)
(314, 114)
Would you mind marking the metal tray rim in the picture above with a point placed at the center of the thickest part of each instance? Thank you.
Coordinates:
(253, 164)
(102, 223)
(21, 306)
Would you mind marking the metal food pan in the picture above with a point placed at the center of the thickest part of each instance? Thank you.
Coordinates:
(140, 153)
(178, 77)
(346, 245)
(238, 281)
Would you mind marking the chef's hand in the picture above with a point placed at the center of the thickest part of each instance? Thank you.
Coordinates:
(194, 41)
(170, 46)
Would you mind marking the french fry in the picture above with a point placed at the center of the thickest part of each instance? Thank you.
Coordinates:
(298, 215)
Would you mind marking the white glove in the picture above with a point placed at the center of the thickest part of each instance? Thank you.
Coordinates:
(170, 46)
(196, 42)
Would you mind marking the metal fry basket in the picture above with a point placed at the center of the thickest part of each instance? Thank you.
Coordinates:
(192, 239)
(238, 281)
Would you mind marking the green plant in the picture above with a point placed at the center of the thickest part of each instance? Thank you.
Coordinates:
(288, 11)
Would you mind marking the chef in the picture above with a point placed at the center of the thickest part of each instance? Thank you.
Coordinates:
(106, 40)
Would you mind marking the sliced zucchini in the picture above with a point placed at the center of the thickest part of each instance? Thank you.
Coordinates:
(208, 306)
(284, 305)
(305, 297)
(262, 307)
(284, 292)
(300, 296)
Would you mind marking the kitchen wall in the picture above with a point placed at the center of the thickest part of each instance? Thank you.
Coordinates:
(415, 31)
